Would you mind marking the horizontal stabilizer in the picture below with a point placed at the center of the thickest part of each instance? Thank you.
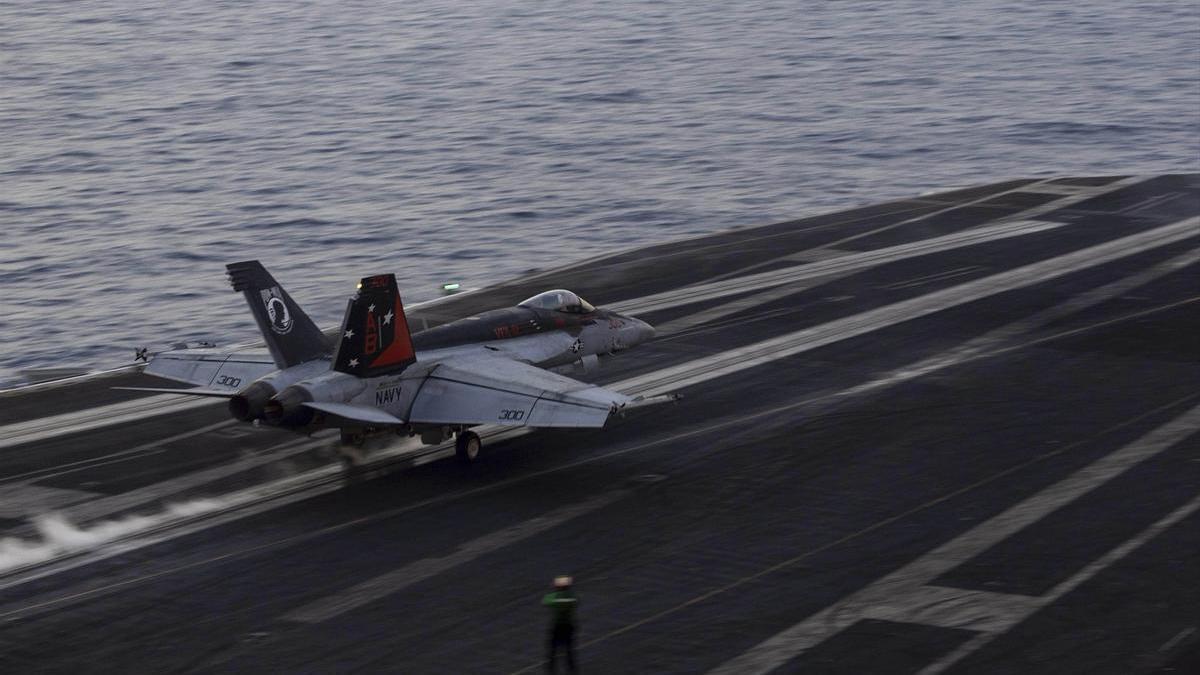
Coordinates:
(198, 391)
(356, 413)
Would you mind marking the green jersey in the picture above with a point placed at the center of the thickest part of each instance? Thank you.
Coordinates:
(562, 605)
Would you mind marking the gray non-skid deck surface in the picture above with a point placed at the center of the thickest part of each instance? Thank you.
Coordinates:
(785, 516)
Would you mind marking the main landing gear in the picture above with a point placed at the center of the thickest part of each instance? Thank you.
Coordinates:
(354, 437)
(467, 446)
(353, 454)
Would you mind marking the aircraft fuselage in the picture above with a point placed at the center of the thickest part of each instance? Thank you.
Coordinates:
(542, 338)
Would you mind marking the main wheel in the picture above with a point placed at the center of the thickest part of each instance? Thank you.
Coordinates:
(467, 446)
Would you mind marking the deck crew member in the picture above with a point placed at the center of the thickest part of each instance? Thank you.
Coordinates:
(562, 603)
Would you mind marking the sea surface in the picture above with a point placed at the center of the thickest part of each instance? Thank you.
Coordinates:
(143, 145)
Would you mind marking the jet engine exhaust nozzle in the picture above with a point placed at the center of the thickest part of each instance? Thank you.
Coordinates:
(287, 409)
(249, 403)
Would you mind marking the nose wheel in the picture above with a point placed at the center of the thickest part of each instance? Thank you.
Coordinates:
(467, 446)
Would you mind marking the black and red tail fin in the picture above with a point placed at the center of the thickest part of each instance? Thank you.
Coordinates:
(374, 339)
(291, 336)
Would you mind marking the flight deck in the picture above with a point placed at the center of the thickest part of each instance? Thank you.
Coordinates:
(954, 433)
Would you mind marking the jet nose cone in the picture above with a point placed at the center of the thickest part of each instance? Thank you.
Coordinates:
(644, 330)
(632, 332)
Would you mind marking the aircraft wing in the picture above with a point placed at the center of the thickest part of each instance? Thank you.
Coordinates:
(498, 390)
(211, 369)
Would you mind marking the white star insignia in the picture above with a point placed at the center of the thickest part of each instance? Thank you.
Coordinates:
(371, 308)
(387, 318)
(349, 333)
(353, 363)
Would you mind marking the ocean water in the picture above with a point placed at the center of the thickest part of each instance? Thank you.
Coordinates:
(143, 145)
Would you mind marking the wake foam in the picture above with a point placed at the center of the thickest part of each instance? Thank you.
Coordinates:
(56, 535)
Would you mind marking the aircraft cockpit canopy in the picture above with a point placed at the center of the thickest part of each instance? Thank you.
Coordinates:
(559, 301)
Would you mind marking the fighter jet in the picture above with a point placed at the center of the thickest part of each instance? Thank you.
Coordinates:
(373, 376)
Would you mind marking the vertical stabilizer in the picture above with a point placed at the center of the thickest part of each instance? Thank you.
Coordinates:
(291, 336)
(374, 339)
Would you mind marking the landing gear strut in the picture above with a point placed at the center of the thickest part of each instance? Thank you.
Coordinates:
(351, 451)
(353, 437)
(466, 446)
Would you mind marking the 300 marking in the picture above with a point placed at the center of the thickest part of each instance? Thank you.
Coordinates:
(227, 381)
(512, 415)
